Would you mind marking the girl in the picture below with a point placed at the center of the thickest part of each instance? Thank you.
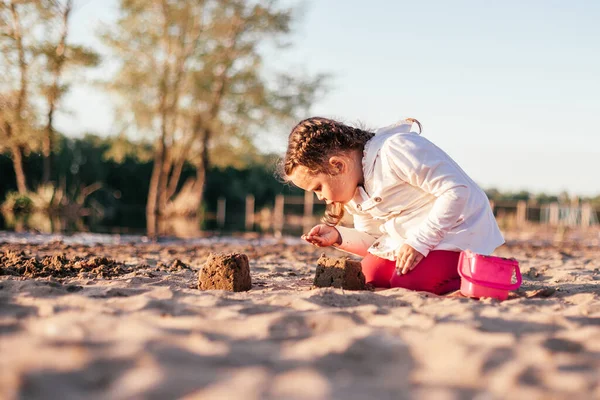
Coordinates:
(414, 208)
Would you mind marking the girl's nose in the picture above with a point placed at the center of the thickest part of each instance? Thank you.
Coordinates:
(319, 196)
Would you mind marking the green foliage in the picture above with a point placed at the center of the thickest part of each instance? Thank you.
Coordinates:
(594, 201)
(120, 149)
(46, 198)
(497, 196)
(72, 56)
(17, 203)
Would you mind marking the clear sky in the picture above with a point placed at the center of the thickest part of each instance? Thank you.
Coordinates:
(510, 89)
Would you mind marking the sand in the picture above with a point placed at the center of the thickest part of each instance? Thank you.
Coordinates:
(123, 319)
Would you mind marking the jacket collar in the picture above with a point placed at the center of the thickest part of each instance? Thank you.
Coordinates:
(371, 150)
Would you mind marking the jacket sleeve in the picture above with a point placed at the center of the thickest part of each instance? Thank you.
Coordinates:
(354, 241)
(420, 163)
(357, 240)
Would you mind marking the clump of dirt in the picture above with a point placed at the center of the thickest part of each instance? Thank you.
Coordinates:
(339, 273)
(59, 266)
(225, 272)
(178, 265)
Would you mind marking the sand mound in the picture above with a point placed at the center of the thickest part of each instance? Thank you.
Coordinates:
(59, 266)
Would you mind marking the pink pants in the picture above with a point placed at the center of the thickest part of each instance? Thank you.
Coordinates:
(437, 273)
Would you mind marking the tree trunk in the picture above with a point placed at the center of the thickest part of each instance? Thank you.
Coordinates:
(47, 149)
(202, 167)
(17, 159)
(164, 180)
(205, 133)
(152, 209)
(199, 184)
(218, 92)
(171, 170)
(21, 100)
(175, 175)
(54, 93)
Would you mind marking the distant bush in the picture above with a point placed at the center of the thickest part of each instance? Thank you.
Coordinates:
(47, 198)
(17, 203)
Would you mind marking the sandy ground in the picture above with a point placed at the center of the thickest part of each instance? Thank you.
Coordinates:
(123, 319)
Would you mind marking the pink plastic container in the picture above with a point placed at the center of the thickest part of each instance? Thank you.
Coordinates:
(487, 276)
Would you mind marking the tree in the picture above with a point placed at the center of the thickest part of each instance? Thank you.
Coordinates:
(195, 81)
(154, 57)
(233, 97)
(58, 55)
(14, 98)
(35, 55)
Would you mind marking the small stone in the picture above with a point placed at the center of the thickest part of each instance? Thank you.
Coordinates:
(225, 272)
(178, 265)
(340, 273)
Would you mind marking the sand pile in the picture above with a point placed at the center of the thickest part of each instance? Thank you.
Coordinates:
(59, 266)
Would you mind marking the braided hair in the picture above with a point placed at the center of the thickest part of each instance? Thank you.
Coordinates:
(312, 142)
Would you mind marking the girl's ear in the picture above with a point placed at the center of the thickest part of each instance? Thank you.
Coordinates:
(337, 164)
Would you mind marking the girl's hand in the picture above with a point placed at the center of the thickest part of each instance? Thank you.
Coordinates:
(323, 235)
(407, 259)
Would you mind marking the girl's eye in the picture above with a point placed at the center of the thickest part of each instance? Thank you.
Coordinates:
(317, 189)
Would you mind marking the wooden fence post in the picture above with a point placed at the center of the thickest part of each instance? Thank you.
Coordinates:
(278, 216)
(249, 212)
(521, 213)
(221, 212)
(586, 215)
(553, 216)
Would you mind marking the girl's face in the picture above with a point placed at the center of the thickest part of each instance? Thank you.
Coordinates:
(339, 186)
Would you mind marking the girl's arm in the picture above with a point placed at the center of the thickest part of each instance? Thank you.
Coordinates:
(354, 241)
(357, 240)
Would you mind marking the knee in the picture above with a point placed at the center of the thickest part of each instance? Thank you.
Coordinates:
(377, 271)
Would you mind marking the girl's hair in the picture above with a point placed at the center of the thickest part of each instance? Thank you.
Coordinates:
(312, 142)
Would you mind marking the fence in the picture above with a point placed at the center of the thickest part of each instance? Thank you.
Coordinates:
(293, 214)
(553, 214)
(289, 214)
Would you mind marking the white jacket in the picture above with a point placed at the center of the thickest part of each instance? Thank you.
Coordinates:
(415, 193)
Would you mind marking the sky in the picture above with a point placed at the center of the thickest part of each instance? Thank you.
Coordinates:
(510, 89)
